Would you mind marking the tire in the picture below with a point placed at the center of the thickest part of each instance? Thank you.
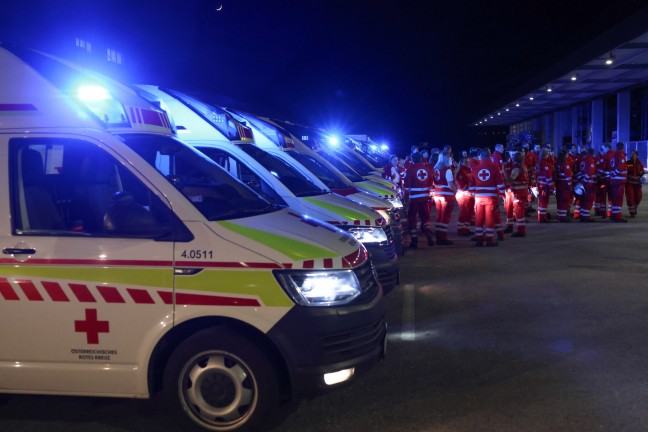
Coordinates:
(222, 382)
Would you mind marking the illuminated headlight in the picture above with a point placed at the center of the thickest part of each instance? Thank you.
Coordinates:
(320, 288)
(396, 202)
(368, 234)
(385, 215)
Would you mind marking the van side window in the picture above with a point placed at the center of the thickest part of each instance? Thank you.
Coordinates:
(66, 187)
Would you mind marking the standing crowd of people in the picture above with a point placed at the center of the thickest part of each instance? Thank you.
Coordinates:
(585, 185)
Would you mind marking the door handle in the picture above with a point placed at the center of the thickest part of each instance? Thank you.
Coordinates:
(18, 251)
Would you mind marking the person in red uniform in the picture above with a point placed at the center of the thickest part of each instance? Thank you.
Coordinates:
(498, 156)
(530, 161)
(587, 176)
(408, 162)
(465, 201)
(392, 171)
(545, 182)
(633, 185)
(519, 180)
(618, 171)
(564, 186)
(487, 185)
(419, 178)
(444, 197)
(507, 167)
(603, 190)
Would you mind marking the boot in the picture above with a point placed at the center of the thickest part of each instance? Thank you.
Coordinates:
(509, 229)
(430, 240)
(414, 243)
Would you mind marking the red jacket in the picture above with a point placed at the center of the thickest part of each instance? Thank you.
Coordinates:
(486, 180)
(419, 178)
(635, 171)
(618, 168)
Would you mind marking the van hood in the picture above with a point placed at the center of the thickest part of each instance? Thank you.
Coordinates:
(294, 240)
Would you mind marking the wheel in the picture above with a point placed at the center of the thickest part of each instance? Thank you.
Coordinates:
(222, 381)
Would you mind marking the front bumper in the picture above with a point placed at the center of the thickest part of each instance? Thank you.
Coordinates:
(316, 341)
(385, 260)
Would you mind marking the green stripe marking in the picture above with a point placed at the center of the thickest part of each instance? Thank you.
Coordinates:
(343, 212)
(295, 249)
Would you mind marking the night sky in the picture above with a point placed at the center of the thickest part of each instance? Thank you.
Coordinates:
(406, 72)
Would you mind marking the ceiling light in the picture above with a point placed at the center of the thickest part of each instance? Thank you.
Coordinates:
(549, 89)
(531, 98)
(574, 77)
(517, 104)
(507, 109)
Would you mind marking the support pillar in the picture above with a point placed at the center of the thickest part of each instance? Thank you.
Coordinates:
(597, 123)
(623, 116)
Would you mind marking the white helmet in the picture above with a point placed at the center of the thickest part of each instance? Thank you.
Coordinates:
(579, 189)
(535, 191)
(644, 179)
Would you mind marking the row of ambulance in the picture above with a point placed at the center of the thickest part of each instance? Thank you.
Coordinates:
(156, 244)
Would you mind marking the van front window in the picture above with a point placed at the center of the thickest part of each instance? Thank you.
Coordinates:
(213, 191)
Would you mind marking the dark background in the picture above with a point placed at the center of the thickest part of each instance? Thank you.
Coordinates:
(405, 72)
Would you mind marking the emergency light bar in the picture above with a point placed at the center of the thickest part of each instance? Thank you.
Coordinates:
(100, 102)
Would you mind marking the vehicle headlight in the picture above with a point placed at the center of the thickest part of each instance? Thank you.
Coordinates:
(396, 202)
(320, 288)
(367, 234)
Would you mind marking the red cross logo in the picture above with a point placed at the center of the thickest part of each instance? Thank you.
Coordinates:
(612, 163)
(437, 175)
(483, 174)
(91, 326)
(422, 174)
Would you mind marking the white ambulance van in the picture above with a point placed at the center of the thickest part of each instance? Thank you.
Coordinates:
(205, 127)
(329, 174)
(132, 264)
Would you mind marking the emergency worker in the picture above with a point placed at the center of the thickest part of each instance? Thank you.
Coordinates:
(487, 185)
(392, 171)
(425, 156)
(633, 185)
(603, 190)
(519, 184)
(587, 176)
(444, 197)
(408, 160)
(530, 161)
(545, 184)
(564, 185)
(498, 156)
(618, 172)
(465, 200)
(507, 167)
(419, 179)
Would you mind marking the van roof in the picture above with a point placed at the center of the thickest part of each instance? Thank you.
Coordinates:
(41, 91)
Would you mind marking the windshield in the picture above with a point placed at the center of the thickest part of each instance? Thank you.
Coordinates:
(355, 163)
(321, 171)
(215, 193)
(217, 117)
(242, 172)
(295, 181)
(344, 168)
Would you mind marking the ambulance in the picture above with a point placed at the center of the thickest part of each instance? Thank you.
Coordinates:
(133, 265)
(321, 169)
(207, 127)
(313, 138)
